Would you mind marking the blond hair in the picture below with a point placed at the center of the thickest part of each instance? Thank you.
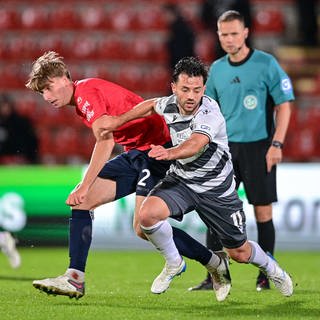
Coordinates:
(49, 65)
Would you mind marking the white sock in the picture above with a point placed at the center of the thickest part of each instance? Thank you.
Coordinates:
(213, 263)
(75, 274)
(2, 237)
(160, 235)
(260, 259)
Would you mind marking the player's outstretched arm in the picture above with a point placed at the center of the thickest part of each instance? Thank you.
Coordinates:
(111, 123)
(100, 155)
(186, 149)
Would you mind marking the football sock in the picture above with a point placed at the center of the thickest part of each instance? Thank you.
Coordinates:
(80, 228)
(213, 263)
(75, 274)
(160, 235)
(260, 259)
(189, 247)
(266, 235)
(213, 241)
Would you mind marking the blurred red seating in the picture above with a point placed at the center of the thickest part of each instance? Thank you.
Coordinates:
(64, 16)
(204, 47)
(140, 48)
(34, 18)
(132, 77)
(9, 19)
(83, 46)
(158, 79)
(268, 20)
(121, 17)
(11, 77)
(150, 18)
(25, 47)
(93, 17)
(112, 47)
(49, 42)
(65, 141)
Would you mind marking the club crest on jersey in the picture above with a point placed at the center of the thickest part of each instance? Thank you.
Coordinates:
(250, 102)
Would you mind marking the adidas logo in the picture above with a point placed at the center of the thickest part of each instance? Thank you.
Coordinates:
(235, 80)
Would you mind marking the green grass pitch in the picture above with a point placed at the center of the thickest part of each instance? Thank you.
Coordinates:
(118, 287)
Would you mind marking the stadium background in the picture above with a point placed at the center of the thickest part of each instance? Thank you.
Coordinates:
(124, 41)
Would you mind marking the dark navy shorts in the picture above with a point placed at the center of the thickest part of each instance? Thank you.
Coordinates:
(222, 214)
(250, 167)
(134, 171)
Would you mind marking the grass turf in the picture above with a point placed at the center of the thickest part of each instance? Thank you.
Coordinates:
(118, 287)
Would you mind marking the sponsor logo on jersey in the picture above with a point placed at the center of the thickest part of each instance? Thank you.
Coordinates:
(250, 102)
(235, 80)
(204, 127)
(286, 85)
(85, 110)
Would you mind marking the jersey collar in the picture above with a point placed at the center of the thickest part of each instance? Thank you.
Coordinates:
(235, 64)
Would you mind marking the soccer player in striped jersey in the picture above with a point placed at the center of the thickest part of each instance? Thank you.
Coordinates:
(201, 178)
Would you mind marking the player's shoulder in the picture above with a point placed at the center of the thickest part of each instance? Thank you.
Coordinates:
(264, 56)
(209, 102)
(92, 83)
(167, 104)
(208, 106)
(88, 85)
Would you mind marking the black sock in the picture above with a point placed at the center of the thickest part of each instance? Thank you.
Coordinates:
(189, 247)
(80, 228)
(213, 241)
(266, 236)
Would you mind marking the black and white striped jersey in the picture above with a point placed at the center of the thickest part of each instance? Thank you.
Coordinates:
(210, 170)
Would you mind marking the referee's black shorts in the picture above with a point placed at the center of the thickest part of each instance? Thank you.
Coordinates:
(250, 167)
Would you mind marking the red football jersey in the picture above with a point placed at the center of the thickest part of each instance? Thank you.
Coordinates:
(97, 97)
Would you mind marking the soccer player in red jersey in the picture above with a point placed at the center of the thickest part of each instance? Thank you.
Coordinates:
(95, 100)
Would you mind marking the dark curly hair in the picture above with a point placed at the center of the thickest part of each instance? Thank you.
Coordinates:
(191, 66)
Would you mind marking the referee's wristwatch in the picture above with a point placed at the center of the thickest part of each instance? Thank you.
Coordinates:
(277, 144)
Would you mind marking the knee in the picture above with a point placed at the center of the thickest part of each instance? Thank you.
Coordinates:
(138, 232)
(152, 211)
(263, 213)
(144, 217)
(239, 255)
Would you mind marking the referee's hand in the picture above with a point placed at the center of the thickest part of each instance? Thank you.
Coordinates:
(273, 157)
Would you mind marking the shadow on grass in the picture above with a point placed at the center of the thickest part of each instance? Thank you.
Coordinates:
(15, 278)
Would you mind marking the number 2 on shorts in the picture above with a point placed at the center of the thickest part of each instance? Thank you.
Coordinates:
(145, 177)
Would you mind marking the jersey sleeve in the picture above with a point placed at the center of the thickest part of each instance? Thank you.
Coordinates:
(280, 85)
(208, 121)
(164, 102)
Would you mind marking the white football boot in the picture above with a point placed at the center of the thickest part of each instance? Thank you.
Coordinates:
(281, 279)
(221, 279)
(62, 285)
(162, 282)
